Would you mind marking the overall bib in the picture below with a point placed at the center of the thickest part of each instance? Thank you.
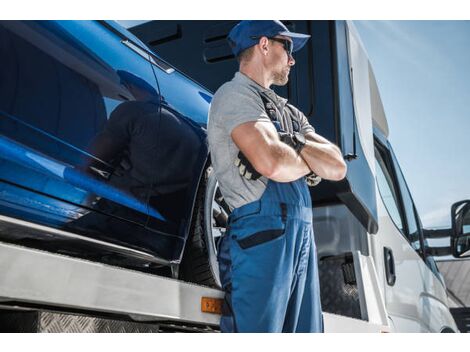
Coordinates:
(268, 264)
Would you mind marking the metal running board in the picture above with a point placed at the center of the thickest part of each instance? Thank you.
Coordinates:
(45, 279)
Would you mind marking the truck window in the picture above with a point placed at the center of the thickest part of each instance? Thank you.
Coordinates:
(387, 190)
(396, 196)
(412, 232)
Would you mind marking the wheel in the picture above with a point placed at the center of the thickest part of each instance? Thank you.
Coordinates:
(210, 216)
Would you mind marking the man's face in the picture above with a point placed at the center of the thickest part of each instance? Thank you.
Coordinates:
(280, 62)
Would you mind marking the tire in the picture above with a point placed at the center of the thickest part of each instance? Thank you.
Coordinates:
(209, 222)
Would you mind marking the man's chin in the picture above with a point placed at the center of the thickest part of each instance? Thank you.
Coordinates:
(282, 82)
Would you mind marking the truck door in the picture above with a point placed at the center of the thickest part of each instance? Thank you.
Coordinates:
(398, 248)
(181, 154)
(435, 315)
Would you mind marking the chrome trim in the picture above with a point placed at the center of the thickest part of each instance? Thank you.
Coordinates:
(52, 231)
(148, 56)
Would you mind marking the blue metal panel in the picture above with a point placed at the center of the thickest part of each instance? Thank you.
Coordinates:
(182, 149)
(79, 133)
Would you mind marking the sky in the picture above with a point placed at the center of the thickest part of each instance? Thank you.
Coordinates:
(423, 74)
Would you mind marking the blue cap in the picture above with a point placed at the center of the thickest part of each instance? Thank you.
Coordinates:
(247, 33)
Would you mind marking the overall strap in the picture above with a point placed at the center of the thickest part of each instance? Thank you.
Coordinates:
(269, 107)
(282, 122)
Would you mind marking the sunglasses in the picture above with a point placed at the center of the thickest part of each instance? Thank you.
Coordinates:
(288, 45)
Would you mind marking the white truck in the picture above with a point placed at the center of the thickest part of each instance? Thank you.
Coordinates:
(376, 270)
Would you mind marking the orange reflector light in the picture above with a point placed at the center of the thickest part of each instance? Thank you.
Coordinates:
(211, 305)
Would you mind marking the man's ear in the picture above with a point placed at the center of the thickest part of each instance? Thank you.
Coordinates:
(263, 45)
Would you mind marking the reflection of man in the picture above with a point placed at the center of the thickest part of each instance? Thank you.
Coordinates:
(129, 139)
(261, 149)
(152, 147)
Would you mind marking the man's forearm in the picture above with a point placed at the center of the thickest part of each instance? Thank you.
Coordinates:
(286, 165)
(259, 142)
(324, 159)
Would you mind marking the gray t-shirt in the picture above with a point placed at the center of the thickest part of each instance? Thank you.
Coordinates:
(236, 102)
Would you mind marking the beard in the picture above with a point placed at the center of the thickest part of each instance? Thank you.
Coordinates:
(280, 78)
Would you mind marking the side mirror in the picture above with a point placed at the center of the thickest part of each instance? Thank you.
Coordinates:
(460, 241)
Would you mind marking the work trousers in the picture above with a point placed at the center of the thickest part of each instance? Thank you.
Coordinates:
(268, 264)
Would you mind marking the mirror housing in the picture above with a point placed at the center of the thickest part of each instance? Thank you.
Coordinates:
(460, 240)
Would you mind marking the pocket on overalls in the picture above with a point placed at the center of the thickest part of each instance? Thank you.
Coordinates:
(260, 237)
(256, 230)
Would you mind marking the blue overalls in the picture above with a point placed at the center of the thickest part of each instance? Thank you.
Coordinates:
(268, 264)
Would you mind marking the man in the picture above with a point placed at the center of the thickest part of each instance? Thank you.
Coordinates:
(262, 148)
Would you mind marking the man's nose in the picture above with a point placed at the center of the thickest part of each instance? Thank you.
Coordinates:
(291, 60)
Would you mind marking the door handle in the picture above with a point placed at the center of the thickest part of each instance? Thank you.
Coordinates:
(389, 266)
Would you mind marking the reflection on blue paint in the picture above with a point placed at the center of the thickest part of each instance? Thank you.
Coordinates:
(80, 179)
(26, 157)
(206, 97)
(46, 164)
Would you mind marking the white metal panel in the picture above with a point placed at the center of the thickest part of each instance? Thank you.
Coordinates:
(417, 302)
(435, 303)
(359, 68)
(44, 278)
(402, 300)
(339, 323)
(372, 289)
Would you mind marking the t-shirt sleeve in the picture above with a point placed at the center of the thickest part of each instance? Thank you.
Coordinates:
(235, 105)
(305, 126)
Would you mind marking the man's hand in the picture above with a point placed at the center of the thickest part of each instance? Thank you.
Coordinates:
(312, 179)
(245, 168)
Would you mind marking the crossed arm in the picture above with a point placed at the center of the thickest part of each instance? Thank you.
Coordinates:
(260, 143)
